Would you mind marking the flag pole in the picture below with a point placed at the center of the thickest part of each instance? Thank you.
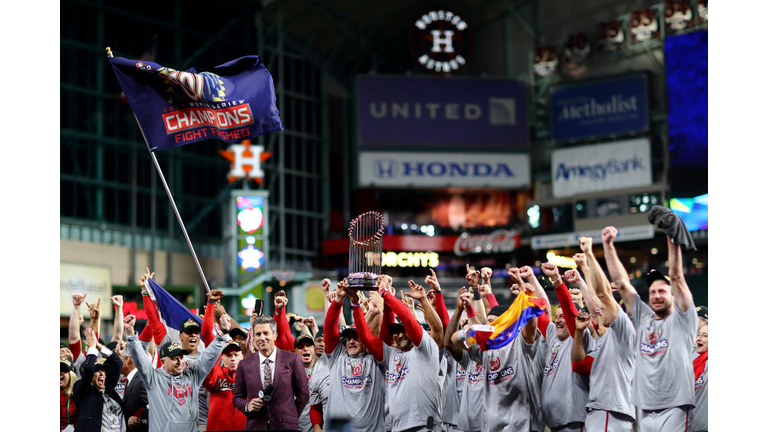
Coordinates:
(170, 197)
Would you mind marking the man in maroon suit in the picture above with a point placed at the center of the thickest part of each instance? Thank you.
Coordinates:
(270, 385)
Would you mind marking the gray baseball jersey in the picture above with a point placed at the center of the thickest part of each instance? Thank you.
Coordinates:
(472, 415)
(664, 364)
(560, 381)
(174, 399)
(513, 384)
(613, 367)
(450, 411)
(356, 390)
(319, 387)
(305, 424)
(700, 420)
(413, 384)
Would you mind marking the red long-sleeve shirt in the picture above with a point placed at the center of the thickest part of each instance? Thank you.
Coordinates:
(285, 339)
(222, 414)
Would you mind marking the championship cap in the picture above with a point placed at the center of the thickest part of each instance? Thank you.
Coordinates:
(396, 327)
(498, 310)
(232, 345)
(238, 331)
(655, 275)
(348, 330)
(172, 349)
(66, 365)
(189, 325)
(702, 312)
(305, 338)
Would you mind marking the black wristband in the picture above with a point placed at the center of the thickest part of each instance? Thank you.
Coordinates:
(478, 296)
(224, 331)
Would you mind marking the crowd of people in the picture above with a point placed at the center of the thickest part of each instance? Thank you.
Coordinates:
(603, 359)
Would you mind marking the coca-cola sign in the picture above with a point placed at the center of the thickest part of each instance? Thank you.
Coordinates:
(496, 242)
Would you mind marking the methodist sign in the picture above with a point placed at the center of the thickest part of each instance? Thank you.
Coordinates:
(602, 167)
(436, 114)
(599, 108)
(427, 170)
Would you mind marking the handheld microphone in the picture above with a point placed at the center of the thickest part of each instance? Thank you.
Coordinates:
(266, 394)
(430, 424)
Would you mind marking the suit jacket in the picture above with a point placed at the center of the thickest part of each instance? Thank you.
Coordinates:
(88, 399)
(289, 397)
(134, 399)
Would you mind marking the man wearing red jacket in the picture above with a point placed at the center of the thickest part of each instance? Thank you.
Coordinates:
(220, 383)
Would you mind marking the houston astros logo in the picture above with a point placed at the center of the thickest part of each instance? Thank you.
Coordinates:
(441, 41)
(245, 161)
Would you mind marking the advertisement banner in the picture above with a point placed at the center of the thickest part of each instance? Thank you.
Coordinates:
(409, 113)
(427, 170)
(601, 167)
(94, 281)
(641, 232)
(600, 108)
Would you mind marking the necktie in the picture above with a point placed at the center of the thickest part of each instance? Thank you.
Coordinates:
(267, 373)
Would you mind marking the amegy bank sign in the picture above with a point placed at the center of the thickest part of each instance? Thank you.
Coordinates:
(602, 167)
(397, 169)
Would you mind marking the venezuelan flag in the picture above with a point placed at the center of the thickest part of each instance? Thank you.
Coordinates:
(478, 334)
(508, 325)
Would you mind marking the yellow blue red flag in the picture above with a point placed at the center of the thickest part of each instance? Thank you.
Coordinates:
(508, 325)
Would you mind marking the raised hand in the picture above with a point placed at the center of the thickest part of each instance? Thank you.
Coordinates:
(225, 322)
(326, 286)
(572, 276)
(145, 276)
(128, 322)
(417, 291)
(484, 289)
(341, 290)
(550, 270)
(432, 282)
(609, 235)
(576, 296)
(582, 321)
(580, 259)
(280, 302)
(585, 243)
(384, 282)
(78, 299)
(526, 273)
(459, 304)
(94, 310)
(215, 295)
(473, 277)
(515, 289)
(465, 300)
(407, 300)
(117, 300)
(90, 338)
(486, 273)
(514, 274)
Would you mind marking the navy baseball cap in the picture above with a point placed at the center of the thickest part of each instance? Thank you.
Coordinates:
(189, 325)
(348, 330)
(655, 275)
(238, 331)
(172, 349)
(305, 338)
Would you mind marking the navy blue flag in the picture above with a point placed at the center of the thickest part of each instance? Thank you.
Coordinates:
(233, 102)
(172, 312)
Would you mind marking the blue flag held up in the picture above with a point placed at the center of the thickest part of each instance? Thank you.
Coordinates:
(233, 102)
(172, 312)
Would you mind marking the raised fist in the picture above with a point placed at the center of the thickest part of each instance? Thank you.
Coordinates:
(326, 285)
(609, 234)
(526, 272)
(215, 295)
(585, 243)
(117, 300)
(550, 270)
(280, 302)
(572, 276)
(580, 259)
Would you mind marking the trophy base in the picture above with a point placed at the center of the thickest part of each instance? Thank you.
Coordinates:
(362, 282)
